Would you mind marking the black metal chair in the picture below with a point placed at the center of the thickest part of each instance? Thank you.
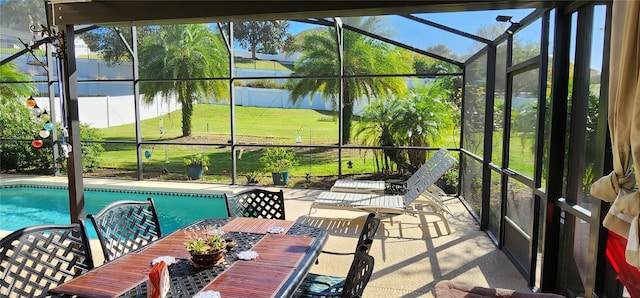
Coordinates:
(369, 230)
(37, 258)
(257, 203)
(124, 226)
(315, 285)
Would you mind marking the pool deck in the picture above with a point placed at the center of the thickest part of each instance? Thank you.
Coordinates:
(409, 259)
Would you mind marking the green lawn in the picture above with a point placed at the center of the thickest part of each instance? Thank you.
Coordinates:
(254, 125)
(260, 64)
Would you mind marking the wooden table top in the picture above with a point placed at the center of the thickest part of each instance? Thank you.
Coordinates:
(256, 225)
(265, 280)
(282, 261)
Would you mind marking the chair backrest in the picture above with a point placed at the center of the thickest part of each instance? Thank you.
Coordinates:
(427, 167)
(359, 274)
(37, 258)
(124, 226)
(430, 178)
(369, 230)
(257, 203)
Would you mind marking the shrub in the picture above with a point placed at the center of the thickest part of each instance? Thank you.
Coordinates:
(278, 160)
(91, 151)
(18, 129)
(17, 154)
(269, 84)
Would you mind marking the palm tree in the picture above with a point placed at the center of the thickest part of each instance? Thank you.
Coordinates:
(184, 53)
(375, 128)
(414, 121)
(422, 115)
(362, 55)
(9, 73)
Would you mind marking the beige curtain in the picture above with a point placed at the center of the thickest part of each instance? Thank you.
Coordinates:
(624, 126)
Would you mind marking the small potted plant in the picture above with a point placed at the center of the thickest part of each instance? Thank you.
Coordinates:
(252, 177)
(278, 161)
(196, 164)
(207, 249)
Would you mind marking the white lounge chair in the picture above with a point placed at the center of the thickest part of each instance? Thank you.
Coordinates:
(418, 199)
(378, 186)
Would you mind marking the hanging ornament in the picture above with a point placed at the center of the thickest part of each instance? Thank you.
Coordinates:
(48, 126)
(66, 149)
(36, 111)
(44, 133)
(31, 102)
(37, 120)
(45, 116)
(37, 143)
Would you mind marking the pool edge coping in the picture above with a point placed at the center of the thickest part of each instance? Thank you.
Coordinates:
(172, 187)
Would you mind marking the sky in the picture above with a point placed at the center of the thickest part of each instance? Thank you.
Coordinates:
(422, 36)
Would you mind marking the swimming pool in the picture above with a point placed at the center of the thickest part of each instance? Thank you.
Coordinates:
(22, 205)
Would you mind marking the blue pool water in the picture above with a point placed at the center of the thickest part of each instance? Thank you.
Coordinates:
(22, 206)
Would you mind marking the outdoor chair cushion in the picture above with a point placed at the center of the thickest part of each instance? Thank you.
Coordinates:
(452, 289)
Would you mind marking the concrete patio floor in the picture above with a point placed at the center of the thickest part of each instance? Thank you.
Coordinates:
(411, 253)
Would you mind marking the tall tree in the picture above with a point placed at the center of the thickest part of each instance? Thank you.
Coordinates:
(20, 14)
(260, 36)
(362, 55)
(184, 54)
(108, 43)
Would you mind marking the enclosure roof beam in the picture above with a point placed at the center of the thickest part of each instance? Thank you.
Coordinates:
(38, 43)
(142, 12)
(448, 29)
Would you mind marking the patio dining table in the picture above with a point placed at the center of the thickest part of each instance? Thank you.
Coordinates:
(283, 261)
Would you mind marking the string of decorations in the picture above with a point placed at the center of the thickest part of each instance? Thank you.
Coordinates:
(41, 116)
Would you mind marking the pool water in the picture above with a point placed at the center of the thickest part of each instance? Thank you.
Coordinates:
(22, 206)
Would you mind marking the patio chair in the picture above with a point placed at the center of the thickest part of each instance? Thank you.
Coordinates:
(37, 258)
(369, 230)
(257, 203)
(428, 170)
(417, 201)
(125, 226)
(315, 285)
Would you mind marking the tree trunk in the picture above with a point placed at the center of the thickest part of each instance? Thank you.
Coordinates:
(253, 51)
(187, 112)
(416, 156)
(347, 112)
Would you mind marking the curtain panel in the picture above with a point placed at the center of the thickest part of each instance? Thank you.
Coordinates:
(624, 126)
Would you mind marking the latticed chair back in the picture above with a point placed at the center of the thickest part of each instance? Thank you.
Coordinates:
(257, 203)
(351, 286)
(359, 274)
(37, 258)
(369, 231)
(124, 226)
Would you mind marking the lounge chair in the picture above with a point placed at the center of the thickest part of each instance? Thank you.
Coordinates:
(377, 186)
(418, 200)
